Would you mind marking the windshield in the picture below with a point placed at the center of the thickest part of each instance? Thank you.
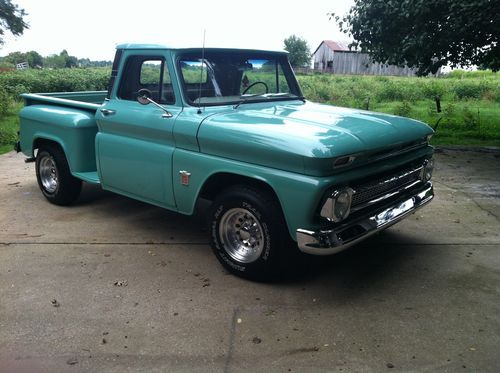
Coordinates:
(222, 77)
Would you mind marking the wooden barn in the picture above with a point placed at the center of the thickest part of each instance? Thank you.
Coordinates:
(335, 57)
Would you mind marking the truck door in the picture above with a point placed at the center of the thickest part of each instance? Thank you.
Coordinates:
(135, 142)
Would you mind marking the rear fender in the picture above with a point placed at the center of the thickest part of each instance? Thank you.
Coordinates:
(72, 129)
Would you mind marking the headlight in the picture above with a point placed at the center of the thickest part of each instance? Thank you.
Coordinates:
(427, 169)
(338, 206)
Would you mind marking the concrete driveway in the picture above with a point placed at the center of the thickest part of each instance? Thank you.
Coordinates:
(115, 285)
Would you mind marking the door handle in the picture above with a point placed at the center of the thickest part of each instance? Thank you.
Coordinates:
(107, 112)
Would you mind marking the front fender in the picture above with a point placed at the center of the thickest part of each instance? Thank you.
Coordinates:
(297, 194)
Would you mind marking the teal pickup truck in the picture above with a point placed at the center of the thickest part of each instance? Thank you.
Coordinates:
(231, 126)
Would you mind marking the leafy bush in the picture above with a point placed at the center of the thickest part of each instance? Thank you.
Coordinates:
(13, 83)
(57, 80)
(403, 109)
(355, 89)
(5, 102)
(471, 120)
(470, 89)
(464, 74)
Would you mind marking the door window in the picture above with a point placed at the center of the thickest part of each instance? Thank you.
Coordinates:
(149, 73)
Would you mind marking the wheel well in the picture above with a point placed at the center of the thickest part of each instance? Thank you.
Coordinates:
(218, 182)
(40, 143)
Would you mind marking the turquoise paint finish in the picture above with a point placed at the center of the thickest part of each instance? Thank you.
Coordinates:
(142, 47)
(293, 135)
(74, 129)
(90, 177)
(91, 97)
(300, 189)
(83, 100)
(134, 148)
(289, 145)
(186, 129)
(155, 51)
(299, 195)
(188, 124)
(135, 144)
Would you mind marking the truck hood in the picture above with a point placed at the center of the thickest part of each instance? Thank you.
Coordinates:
(298, 136)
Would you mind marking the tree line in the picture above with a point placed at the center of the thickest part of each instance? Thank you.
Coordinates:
(54, 61)
(425, 34)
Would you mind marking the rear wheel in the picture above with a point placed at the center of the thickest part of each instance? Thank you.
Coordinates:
(248, 233)
(54, 177)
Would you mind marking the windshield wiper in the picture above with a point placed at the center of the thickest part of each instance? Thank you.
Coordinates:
(245, 98)
(285, 94)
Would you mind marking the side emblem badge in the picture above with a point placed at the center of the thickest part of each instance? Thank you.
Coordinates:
(185, 177)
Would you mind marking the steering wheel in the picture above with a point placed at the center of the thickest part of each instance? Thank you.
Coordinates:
(253, 84)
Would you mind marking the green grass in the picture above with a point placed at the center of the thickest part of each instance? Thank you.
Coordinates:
(470, 101)
(9, 125)
(468, 123)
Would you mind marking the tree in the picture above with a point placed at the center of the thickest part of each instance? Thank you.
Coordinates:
(55, 61)
(69, 61)
(15, 57)
(11, 18)
(300, 54)
(426, 34)
(60, 61)
(34, 59)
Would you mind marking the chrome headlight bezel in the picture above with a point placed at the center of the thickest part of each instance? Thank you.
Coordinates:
(427, 170)
(337, 206)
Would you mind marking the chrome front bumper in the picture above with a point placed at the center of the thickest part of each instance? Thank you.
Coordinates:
(326, 242)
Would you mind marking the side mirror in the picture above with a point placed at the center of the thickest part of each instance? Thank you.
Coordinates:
(144, 96)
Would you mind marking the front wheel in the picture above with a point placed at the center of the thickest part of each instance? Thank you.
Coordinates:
(54, 176)
(248, 233)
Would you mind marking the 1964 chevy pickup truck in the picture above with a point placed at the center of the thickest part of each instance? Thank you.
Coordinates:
(232, 126)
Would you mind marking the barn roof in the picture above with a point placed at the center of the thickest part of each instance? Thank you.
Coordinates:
(333, 45)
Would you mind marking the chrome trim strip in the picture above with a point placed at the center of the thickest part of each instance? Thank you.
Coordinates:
(333, 241)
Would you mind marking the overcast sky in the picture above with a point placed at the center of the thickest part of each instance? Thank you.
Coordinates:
(92, 28)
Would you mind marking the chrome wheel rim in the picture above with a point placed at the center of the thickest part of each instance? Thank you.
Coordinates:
(48, 174)
(242, 235)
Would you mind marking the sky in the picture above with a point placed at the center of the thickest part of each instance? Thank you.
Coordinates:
(93, 28)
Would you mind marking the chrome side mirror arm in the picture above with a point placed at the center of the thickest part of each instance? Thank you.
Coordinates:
(144, 98)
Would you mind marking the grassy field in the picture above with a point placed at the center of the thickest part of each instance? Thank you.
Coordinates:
(9, 125)
(470, 101)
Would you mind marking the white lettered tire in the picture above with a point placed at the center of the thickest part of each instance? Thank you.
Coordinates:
(248, 233)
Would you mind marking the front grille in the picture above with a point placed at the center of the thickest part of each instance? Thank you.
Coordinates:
(376, 189)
